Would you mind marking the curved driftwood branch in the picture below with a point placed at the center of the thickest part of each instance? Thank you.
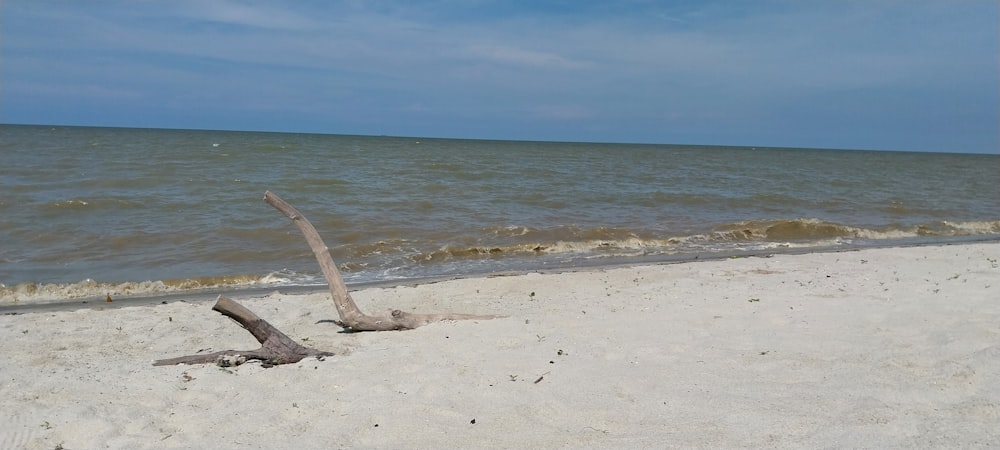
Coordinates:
(350, 315)
(276, 347)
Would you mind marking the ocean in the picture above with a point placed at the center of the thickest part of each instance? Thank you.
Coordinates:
(89, 212)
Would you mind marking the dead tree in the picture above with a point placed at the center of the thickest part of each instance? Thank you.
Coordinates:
(351, 316)
(275, 347)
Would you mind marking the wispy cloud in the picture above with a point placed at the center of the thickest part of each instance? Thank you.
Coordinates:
(270, 16)
(523, 57)
(742, 68)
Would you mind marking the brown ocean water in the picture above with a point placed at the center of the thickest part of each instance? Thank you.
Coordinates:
(86, 212)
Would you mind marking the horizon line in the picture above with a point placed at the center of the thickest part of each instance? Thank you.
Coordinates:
(551, 141)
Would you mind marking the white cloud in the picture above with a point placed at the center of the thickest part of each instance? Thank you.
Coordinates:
(250, 15)
(522, 57)
(700, 64)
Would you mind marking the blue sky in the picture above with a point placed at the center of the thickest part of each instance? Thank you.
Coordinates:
(874, 74)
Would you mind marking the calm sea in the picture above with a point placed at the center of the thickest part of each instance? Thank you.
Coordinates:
(86, 212)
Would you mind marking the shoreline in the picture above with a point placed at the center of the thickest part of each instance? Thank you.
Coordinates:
(210, 294)
(888, 347)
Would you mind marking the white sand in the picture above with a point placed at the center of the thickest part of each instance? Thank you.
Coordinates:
(894, 347)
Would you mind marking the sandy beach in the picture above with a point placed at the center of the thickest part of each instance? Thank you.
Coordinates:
(878, 348)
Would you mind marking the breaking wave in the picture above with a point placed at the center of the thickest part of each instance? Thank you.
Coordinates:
(520, 247)
(91, 289)
(742, 235)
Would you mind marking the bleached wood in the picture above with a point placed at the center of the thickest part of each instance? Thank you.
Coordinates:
(276, 347)
(350, 315)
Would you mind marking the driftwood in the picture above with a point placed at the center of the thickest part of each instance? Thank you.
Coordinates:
(351, 316)
(276, 348)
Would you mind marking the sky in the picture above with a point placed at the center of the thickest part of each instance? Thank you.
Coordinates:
(874, 74)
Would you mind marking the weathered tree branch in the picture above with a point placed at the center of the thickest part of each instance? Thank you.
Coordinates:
(276, 348)
(350, 315)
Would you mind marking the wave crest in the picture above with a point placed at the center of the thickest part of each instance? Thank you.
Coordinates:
(516, 245)
(91, 289)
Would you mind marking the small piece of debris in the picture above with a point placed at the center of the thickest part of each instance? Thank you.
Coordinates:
(230, 360)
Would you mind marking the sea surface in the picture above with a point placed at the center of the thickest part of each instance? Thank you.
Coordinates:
(90, 212)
